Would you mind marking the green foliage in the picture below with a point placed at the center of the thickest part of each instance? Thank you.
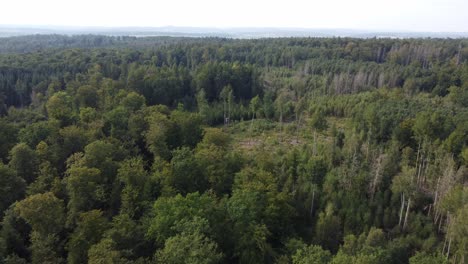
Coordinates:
(23, 160)
(44, 248)
(59, 106)
(134, 177)
(37, 132)
(259, 212)
(44, 212)
(464, 155)
(187, 127)
(128, 237)
(328, 229)
(185, 174)
(216, 137)
(14, 237)
(318, 121)
(89, 230)
(7, 138)
(86, 96)
(189, 248)
(12, 187)
(133, 101)
(85, 189)
(422, 257)
(104, 253)
(172, 214)
(157, 135)
(127, 133)
(458, 96)
(311, 254)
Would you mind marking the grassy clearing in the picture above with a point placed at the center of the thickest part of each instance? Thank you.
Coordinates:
(270, 135)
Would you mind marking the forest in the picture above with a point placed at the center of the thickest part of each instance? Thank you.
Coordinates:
(212, 150)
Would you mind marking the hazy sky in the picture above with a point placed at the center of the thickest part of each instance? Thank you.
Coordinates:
(408, 15)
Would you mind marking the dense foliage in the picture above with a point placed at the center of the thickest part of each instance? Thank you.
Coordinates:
(180, 150)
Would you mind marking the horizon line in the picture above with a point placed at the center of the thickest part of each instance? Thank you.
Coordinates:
(280, 28)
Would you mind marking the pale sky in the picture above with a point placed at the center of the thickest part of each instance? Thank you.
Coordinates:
(403, 15)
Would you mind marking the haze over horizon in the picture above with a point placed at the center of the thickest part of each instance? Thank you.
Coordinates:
(399, 15)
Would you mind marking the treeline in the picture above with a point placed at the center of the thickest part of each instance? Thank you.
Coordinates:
(213, 151)
(331, 66)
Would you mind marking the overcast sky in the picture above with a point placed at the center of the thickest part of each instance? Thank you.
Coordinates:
(402, 15)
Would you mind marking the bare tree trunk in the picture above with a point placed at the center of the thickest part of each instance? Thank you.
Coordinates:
(376, 175)
(448, 250)
(407, 212)
(425, 170)
(436, 195)
(402, 208)
(440, 222)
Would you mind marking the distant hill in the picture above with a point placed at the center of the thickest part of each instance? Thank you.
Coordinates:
(11, 30)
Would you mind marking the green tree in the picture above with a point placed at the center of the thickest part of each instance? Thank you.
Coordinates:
(73, 139)
(216, 137)
(90, 228)
(189, 248)
(86, 96)
(12, 187)
(44, 212)
(14, 236)
(227, 97)
(258, 212)
(254, 106)
(311, 255)
(185, 174)
(173, 215)
(458, 232)
(188, 127)
(85, 190)
(458, 96)
(202, 105)
(328, 229)
(424, 258)
(217, 166)
(59, 107)
(318, 121)
(105, 253)
(128, 237)
(24, 161)
(133, 101)
(104, 155)
(156, 137)
(133, 176)
(8, 133)
(45, 249)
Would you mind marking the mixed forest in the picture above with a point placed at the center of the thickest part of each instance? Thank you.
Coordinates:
(212, 150)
